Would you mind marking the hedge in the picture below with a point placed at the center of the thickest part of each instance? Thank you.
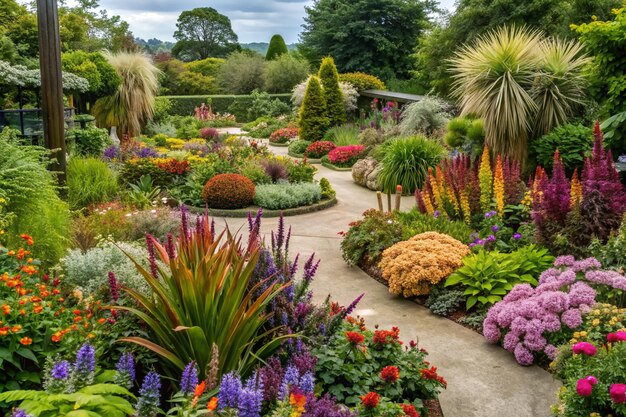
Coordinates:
(185, 105)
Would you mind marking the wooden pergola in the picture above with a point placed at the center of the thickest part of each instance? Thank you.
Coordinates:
(52, 84)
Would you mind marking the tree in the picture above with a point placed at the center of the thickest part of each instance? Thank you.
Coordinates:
(102, 77)
(313, 122)
(372, 36)
(202, 33)
(284, 73)
(242, 73)
(335, 110)
(276, 48)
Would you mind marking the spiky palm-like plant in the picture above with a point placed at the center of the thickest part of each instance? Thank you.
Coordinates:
(559, 84)
(492, 78)
(133, 102)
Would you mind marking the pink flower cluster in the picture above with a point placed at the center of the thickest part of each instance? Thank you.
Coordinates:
(584, 348)
(526, 315)
(346, 155)
(584, 388)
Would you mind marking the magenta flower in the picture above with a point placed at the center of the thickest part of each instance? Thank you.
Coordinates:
(585, 348)
(584, 386)
(618, 393)
(616, 337)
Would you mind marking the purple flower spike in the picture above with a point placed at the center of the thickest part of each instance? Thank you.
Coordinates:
(125, 374)
(230, 388)
(149, 396)
(60, 370)
(189, 379)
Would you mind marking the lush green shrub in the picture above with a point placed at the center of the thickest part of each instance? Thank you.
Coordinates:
(411, 86)
(335, 111)
(242, 73)
(228, 191)
(188, 129)
(255, 173)
(185, 105)
(298, 147)
(425, 116)
(406, 162)
(189, 82)
(300, 171)
(313, 122)
(415, 222)
(284, 73)
(88, 142)
(362, 81)
(162, 108)
(371, 137)
(444, 301)
(264, 126)
(89, 181)
(348, 92)
(166, 129)
(327, 190)
(276, 48)
(574, 143)
(614, 129)
(209, 66)
(263, 105)
(366, 239)
(318, 149)
(31, 204)
(489, 276)
(465, 133)
(613, 253)
(282, 196)
(343, 135)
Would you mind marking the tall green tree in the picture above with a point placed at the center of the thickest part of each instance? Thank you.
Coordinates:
(102, 77)
(335, 109)
(202, 33)
(276, 48)
(313, 122)
(373, 36)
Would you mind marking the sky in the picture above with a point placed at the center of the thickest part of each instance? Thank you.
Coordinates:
(252, 20)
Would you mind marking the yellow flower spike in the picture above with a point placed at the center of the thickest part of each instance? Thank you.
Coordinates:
(485, 180)
(498, 186)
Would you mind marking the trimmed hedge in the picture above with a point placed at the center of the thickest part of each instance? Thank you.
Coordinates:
(185, 105)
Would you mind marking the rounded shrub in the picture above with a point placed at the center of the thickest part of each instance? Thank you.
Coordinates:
(318, 149)
(276, 48)
(406, 161)
(574, 142)
(362, 81)
(228, 191)
(298, 147)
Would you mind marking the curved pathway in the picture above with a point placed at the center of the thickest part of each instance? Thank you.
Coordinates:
(483, 380)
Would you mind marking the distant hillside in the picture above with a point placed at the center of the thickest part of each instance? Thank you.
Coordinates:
(261, 47)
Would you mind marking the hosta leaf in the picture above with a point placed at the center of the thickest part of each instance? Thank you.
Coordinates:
(103, 389)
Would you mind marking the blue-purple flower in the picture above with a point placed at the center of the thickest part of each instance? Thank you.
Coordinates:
(60, 370)
(495, 228)
(149, 396)
(307, 382)
(189, 379)
(18, 412)
(125, 374)
(490, 214)
(517, 236)
(230, 388)
(436, 214)
(85, 365)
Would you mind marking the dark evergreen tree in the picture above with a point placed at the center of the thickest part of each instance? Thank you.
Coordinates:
(335, 110)
(276, 48)
(313, 122)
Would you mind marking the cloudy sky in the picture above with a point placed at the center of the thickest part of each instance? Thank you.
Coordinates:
(252, 20)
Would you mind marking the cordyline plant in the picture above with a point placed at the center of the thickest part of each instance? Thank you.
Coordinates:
(202, 297)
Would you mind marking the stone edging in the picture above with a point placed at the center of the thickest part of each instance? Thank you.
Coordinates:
(278, 145)
(322, 205)
(335, 168)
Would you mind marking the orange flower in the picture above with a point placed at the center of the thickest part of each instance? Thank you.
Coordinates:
(57, 292)
(102, 320)
(35, 299)
(38, 309)
(212, 405)
(4, 330)
(199, 389)
(77, 319)
(56, 337)
(22, 312)
(16, 328)
(29, 240)
(23, 301)
(76, 312)
(6, 309)
(26, 341)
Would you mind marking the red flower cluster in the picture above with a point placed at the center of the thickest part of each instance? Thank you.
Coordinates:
(173, 166)
(432, 374)
(319, 149)
(382, 337)
(284, 135)
(409, 410)
(390, 374)
(355, 338)
(370, 400)
(346, 155)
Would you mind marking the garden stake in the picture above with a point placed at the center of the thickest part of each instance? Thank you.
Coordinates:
(389, 201)
(398, 197)
(379, 197)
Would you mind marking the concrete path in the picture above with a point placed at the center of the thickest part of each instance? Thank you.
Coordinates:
(483, 380)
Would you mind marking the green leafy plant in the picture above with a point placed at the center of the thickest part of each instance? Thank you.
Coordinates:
(143, 193)
(362, 81)
(343, 135)
(367, 238)
(613, 253)
(335, 110)
(489, 276)
(445, 301)
(298, 147)
(89, 181)
(313, 121)
(415, 222)
(614, 129)
(424, 117)
(276, 48)
(574, 143)
(406, 162)
(327, 190)
(88, 142)
(284, 73)
(284, 195)
(201, 297)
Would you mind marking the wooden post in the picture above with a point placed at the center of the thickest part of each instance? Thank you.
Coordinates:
(389, 201)
(52, 84)
(379, 197)
(398, 197)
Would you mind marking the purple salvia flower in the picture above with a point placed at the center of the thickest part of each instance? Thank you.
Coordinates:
(111, 152)
(307, 382)
(151, 254)
(491, 238)
(294, 268)
(113, 287)
(250, 402)
(290, 380)
(125, 370)
(230, 389)
(436, 214)
(495, 228)
(322, 329)
(517, 236)
(352, 306)
(189, 379)
(85, 365)
(60, 370)
(149, 396)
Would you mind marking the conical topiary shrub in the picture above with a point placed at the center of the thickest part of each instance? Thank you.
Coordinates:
(335, 110)
(313, 122)
(276, 48)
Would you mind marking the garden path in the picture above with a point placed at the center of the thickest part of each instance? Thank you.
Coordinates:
(483, 380)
